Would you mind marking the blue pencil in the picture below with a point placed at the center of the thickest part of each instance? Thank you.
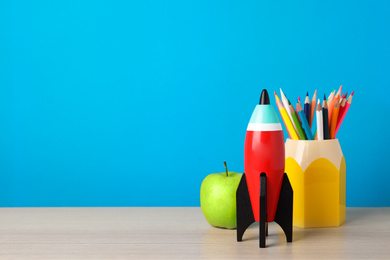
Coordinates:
(305, 124)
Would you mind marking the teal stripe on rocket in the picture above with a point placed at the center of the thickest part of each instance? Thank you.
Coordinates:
(264, 114)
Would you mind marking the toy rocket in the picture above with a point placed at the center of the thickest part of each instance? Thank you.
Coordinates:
(264, 193)
(264, 152)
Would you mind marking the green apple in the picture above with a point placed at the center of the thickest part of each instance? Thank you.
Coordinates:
(218, 198)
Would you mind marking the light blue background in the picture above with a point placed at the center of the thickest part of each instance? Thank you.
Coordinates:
(133, 103)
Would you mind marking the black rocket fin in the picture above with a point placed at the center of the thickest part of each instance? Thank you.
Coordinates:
(244, 208)
(263, 227)
(284, 211)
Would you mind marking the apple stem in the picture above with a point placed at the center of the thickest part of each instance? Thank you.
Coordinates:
(227, 174)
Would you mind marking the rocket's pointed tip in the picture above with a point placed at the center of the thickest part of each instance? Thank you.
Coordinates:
(264, 98)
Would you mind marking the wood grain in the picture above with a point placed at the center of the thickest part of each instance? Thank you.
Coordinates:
(179, 233)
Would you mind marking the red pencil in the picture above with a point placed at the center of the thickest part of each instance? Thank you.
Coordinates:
(343, 111)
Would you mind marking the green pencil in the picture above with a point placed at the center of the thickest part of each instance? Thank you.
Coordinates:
(298, 125)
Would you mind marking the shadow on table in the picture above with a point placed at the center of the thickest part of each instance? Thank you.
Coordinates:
(276, 236)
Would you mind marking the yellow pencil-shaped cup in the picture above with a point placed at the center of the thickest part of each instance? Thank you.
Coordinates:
(317, 172)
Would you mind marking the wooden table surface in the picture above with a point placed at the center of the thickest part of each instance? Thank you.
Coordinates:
(179, 233)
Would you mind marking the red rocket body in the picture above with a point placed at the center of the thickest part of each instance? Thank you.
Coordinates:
(264, 152)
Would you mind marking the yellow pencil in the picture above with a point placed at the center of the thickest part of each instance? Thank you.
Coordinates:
(286, 119)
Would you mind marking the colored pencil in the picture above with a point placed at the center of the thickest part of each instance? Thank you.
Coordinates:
(343, 112)
(339, 91)
(286, 105)
(307, 108)
(341, 98)
(286, 119)
(325, 118)
(344, 96)
(305, 124)
(342, 104)
(300, 131)
(331, 96)
(299, 118)
(320, 122)
(333, 123)
(331, 106)
(330, 101)
(313, 107)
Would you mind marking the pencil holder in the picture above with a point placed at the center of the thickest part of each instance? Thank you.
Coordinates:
(317, 172)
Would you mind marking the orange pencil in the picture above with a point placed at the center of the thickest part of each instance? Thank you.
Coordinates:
(333, 124)
(313, 107)
(331, 106)
(343, 111)
(334, 97)
(339, 91)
